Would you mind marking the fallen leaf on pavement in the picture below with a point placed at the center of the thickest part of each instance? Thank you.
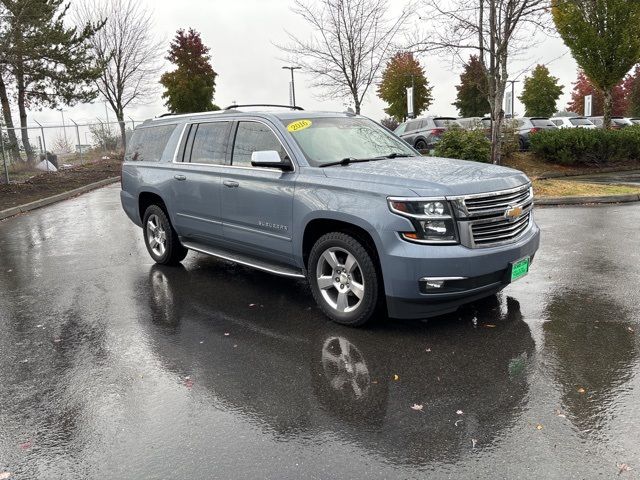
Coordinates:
(457, 422)
(428, 350)
(539, 426)
(188, 382)
(460, 412)
(4, 475)
(396, 378)
(26, 445)
(581, 390)
(251, 305)
(623, 467)
(473, 443)
(630, 329)
(57, 340)
(560, 413)
(417, 407)
(226, 334)
(489, 325)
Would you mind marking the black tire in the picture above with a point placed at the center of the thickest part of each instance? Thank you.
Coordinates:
(522, 144)
(421, 145)
(363, 295)
(172, 251)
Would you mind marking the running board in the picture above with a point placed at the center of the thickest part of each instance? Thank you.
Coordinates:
(246, 260)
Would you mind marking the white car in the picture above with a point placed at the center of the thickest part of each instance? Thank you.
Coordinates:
(573, 122)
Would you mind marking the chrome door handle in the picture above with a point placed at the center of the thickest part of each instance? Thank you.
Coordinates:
(230, 184)
(180, 177)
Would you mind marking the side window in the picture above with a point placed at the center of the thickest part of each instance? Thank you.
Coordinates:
(148, 143)
(253, 137)
(210, 143)
(415, 125)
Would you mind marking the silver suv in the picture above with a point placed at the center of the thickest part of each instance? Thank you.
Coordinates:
(334, 198)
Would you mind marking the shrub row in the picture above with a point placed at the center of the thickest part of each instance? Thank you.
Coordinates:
(575, 146)
(464, 144)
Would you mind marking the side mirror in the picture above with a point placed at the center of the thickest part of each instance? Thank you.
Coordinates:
(269, 159)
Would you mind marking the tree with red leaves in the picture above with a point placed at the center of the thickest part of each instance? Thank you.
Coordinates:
(191, 86)
(583, 87)
(632, 92)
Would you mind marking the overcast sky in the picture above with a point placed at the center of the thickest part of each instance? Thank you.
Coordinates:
(242, 34)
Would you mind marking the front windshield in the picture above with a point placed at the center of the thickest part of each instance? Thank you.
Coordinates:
(331, 139)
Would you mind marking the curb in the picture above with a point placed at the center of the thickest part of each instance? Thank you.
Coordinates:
(585, 200)
(10, 212)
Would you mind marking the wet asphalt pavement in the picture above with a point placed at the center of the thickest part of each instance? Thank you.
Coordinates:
(111, 367)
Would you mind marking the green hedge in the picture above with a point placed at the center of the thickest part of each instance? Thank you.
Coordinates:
(574, 146)
(464, 144)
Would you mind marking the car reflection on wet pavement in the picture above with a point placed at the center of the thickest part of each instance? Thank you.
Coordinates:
(112, 367)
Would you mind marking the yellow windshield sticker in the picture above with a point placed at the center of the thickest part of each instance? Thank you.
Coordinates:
(298, 125)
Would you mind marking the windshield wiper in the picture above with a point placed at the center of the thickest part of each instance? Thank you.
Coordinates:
(346, 161)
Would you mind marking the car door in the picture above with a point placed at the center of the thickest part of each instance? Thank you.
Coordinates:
(197, 180)
(257, 203)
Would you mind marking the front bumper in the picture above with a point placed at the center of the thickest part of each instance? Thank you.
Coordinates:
(485, 272)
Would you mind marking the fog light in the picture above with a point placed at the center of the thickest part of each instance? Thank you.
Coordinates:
(433, 284)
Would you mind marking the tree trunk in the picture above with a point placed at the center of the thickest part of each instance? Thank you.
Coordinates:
(608, 104)
(8, 120)
(23, 116)
(123, 130)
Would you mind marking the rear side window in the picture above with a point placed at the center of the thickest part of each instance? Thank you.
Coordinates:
(254, 137)
(210, 143)
(415, 125)
(558, 123)
(148, 143)
(580, 121)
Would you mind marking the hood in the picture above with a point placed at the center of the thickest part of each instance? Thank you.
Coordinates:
(431, 176)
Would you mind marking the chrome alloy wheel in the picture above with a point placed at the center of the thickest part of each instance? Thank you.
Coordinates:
(156, 235)
(340, 280)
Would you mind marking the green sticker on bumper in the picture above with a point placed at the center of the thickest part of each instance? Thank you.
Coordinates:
(519, 269)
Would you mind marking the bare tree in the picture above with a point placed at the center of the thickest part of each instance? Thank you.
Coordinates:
(127, 50)
(352, 40)
(496, 30)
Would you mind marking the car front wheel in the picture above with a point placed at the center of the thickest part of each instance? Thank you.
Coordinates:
(343, 279)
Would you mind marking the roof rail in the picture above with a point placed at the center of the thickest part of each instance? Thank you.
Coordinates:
(292, 107)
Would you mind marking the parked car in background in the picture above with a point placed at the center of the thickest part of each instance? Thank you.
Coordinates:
(527, 126)
(616, 122)
(471, 123)
(573, 122)
(635, 120)
(424, 133)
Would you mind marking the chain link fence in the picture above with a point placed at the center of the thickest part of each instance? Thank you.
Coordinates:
(39, 149)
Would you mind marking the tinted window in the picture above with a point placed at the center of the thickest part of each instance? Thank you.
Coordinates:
(254, 137)
(558, 123)
(580, 121)
(210, 143)
(542, 122)
(444, 122)
(148, 143)
(414, 125)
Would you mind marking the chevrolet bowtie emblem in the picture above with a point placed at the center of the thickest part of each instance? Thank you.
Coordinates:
(513, 212)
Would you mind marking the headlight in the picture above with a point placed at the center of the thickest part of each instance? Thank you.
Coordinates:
(432, 220)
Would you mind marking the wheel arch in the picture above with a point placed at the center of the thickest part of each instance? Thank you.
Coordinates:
(146, 198)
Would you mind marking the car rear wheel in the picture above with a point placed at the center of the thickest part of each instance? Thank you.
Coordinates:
(160, 238)
(343, 278)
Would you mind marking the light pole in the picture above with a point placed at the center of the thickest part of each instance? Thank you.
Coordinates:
(513, 96)
(64, 128)
(293, 85)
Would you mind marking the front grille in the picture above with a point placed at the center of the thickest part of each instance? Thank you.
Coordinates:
(499, 231)
(484, 221)
(487, 204)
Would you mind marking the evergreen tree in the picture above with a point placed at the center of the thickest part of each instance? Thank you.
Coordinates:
(472, 92)
(401, 72)
(540, 93)
(191, 86)
(49, 62)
